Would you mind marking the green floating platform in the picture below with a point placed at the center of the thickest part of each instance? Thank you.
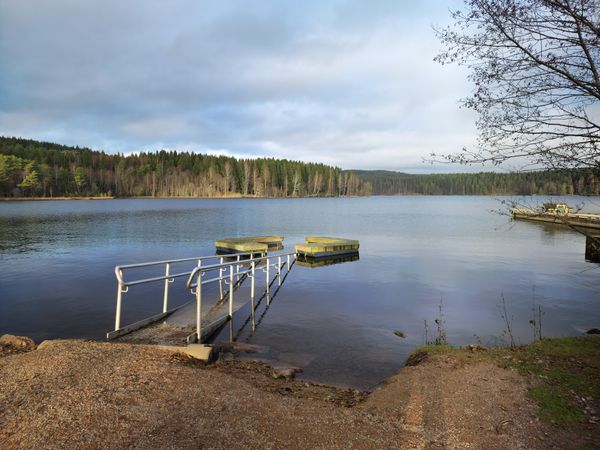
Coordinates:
(321, 247)
(259, 244)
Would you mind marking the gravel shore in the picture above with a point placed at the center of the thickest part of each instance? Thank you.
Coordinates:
(84, 394)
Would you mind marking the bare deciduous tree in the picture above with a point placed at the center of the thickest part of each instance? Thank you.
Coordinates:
(535, 67)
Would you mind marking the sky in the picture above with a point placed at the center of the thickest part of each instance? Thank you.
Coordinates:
(348, 83)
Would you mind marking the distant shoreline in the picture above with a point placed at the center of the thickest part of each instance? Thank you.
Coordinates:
(225, 197)
(142, 197)
(32, 199)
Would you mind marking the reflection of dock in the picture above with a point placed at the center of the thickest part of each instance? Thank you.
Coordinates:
(325, 261)
(592, 248)
(252, 318)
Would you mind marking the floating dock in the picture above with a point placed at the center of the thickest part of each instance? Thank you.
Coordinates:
(258, 244)
(582, 220)
(322, 247)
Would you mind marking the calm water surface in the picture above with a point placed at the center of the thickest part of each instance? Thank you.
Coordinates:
(337, 322)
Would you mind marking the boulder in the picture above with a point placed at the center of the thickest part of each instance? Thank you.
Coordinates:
(286, 372)
(16, 343)
(237, 347)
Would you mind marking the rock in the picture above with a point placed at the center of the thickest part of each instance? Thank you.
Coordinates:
(475, 348)
(44, 344)
(593, 331)
(416, 358)
(237, 347)
(17, 343)
(400, 333)
(286, 372)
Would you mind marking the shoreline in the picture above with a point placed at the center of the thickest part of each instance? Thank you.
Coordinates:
(130, 395)
(147, 197)
(241, 196)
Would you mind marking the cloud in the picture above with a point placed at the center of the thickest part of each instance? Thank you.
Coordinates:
(343, 82)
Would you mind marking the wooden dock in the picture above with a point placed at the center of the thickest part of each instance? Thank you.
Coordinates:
(320, 247)
(580, 220)
(258, 244)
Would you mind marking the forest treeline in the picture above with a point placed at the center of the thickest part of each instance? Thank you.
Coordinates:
(33, 168)
(551, 182)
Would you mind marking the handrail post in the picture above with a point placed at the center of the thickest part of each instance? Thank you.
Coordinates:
(252, 281)
(237, 269)
(166, 294)
(221, 279)
(199, 307)
(267, 272)
(279, 271)
(119, 299)
(253, 267)
(231, 291)
(288, 262)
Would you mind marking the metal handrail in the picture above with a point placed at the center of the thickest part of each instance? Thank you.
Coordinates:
(203, 269)
(250, 257)
(119, 269)
(199, 272)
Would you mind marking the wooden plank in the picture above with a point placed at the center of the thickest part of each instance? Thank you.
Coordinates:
(249, 244)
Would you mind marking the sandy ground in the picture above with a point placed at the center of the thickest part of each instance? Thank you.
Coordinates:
(82, 394)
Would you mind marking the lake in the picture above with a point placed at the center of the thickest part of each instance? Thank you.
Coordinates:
(337, 322)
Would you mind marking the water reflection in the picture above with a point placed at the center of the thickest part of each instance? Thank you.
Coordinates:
(327, 261)
(247, 315)
(336, 320)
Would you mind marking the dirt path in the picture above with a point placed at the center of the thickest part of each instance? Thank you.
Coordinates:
(77, 394)
(446, 405)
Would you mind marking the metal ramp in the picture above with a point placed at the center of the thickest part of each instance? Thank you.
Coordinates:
(197, 320)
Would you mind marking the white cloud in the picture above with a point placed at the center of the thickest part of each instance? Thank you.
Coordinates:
(343, 82)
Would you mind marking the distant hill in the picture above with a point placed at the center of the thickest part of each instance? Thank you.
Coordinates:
(557, 182)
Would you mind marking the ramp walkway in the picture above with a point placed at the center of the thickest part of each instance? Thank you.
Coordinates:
(196, 320)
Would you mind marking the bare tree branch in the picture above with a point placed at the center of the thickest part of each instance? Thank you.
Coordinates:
(534, 66)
